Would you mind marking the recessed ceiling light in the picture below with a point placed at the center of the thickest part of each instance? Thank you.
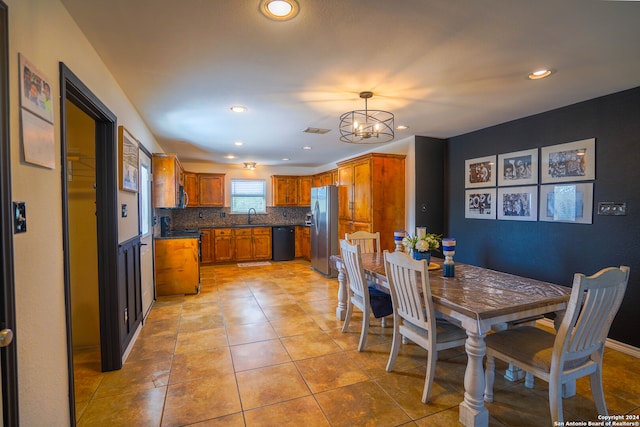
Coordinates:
(285, 159)
(238, 108)
(541, 74)
(306, 147)
(229, 156)
(238, 143)
(279, 10)
(402, 127)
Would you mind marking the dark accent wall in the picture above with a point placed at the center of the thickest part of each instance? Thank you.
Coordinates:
(430, 188)
(555, 251)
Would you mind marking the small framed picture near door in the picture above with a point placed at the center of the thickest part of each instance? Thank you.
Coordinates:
(128, 153)
(480, 172)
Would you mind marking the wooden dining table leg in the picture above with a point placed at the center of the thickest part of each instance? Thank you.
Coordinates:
(341, 309)
(472, 409)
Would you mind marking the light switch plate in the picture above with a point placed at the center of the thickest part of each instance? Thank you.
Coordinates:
(612, 208)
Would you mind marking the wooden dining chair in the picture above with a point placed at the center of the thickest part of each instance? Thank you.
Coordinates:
(573, 352)
(414, 316)
(360, 292)
(368, 242)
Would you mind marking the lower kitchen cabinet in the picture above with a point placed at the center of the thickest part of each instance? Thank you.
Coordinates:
(261, 243)
(206, 236)
(303, 242)
(177, 266)
(243, 244)
(223, 244)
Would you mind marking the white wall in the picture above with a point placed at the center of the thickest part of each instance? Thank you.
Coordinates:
(44, 32)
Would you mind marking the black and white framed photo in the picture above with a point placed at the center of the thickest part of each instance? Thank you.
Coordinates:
(518, 168)
(573, 161)
(572, 203)
(480, 203)
(480, 172)
(518, 203)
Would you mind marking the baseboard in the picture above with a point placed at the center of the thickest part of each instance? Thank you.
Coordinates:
(612, 344)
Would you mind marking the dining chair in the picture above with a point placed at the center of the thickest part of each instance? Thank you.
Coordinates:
(414, 316)
(361, 294)
(368, 242)
(576, 349)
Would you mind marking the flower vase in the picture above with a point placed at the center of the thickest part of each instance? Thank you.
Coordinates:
(421, 255)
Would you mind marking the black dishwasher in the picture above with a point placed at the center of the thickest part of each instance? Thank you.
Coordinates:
(284, 243)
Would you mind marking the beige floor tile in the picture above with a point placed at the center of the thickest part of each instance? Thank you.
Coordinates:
(200, 400)
(133, 377)
(269, 385)
(199, 322)
(361, 404)
(153, 349)
(258, 355)
(233, 420)
(200, 364)
(207, 339)
(251, 332)
(125, 409)
(298, 326)
(330, 371)
(293, 413)
(310, 345)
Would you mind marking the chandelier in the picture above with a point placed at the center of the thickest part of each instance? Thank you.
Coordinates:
(366, 126)
(250, 165)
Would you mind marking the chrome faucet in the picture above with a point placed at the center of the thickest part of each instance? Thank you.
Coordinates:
(249, 215)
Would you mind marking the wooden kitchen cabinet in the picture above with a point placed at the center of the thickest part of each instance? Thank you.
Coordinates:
(285, 190)
(304, 191)
(261, 243)
(243, 240)
(223, 242)
(177, 266)
(168, 181)
(211, 189)
(303, 242)
(206, 238)
(191, 189)
(371, 193)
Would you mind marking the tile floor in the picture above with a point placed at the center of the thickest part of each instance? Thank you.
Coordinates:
(261, 346)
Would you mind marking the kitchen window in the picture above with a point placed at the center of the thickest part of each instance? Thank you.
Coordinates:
(247, 194)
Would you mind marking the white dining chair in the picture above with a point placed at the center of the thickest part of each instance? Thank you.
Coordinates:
(368, 242)
(360, 291)
(414, 316)
(573, 352)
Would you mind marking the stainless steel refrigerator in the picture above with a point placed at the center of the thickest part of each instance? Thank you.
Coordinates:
(324, 228)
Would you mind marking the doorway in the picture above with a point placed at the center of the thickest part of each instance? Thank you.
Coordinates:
(73, 91)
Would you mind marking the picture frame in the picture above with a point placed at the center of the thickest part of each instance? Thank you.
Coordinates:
(567, 202)
(572, 161)
(480, 203)
(518, 203)
(128, 154)
(480, 172)
(38, 140)
(35, 90)
(518, 168)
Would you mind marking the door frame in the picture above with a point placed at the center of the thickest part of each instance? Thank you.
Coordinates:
(73, 90)
(9, 354)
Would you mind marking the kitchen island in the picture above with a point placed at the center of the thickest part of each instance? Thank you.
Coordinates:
(177, 264)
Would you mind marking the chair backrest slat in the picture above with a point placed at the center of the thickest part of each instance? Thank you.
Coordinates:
(368, 242)
(352, 259)
(594, 302)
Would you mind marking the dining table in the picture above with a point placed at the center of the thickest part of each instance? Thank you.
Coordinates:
(478, 300)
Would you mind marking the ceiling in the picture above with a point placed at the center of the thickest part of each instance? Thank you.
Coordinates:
(444, 68)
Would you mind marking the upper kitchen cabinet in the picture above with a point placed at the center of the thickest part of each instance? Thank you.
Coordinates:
(168, 181)
(211, 189)
(304, 191)
(191, 189)
(285, 190)
(371, 193)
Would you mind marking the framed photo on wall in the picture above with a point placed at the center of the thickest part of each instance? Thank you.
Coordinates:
(128, 153)
(35, 90)
(480, 204)
(480, 172)
(518, 168)
(518, 203)
(570, 202)
(573, 161)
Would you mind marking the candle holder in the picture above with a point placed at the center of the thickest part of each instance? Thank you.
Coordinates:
(448, 250)
(397, 238)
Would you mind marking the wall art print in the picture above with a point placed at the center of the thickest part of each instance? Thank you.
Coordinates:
(128, 153)
(573, 161)
(480, 172)
(572, 203)
(518, 168)
(518, 203)
(480, 203)
(35, 90)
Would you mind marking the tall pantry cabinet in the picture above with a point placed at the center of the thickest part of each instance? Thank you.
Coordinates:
(371, 196)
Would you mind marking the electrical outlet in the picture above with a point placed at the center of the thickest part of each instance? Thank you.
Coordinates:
(612, 208)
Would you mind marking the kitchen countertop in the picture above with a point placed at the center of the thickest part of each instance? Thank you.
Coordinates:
(195, 233)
